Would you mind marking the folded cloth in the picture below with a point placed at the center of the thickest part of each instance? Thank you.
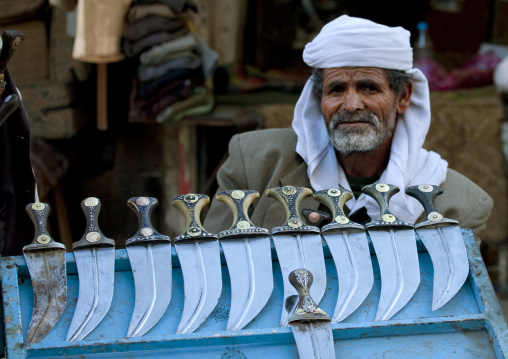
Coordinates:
(178, 94)
(148, 88)
(178, 6)
(135, 31)
(201, 102)
(139, 12)
(134, 48)
(160, 53)
(349, 41)
(148, 73)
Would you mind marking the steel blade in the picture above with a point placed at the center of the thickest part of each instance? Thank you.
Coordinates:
(449, 258)
(351, 254)
(96, 269)
(249, 263)
(49, 281)
(151, 269)
(400, 270)
(300, 251)
(314, 339)
(201, 268)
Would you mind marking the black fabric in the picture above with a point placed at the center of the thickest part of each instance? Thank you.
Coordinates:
(17, 181)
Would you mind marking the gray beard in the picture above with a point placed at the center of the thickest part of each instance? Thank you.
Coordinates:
(359, 139)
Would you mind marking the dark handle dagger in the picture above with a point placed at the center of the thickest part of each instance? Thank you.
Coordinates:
(38, 213)
(382, 193)
(290, 197)
(11, 39)
(239, 202)
(334, 199)
(191, 205)
(306, 310)
(426, 194)
(146, 234)
(93, 236)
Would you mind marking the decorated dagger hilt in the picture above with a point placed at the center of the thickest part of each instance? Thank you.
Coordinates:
(239, 202)
(143, 206)
(382, 192)
(11, 39)
(38, 213)
(425, 194)
(334, 199)
(93, 236)
(306, 310)
(290, 197)
(191, 205)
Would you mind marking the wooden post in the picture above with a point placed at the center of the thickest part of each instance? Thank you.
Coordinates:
(102, 97)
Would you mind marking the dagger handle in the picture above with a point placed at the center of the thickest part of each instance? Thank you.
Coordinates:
(143, 206)
(39, 213)
(307, 309)
(239, 202)
(426, 194)
(11, 39)
(290, 197)
(334, 199)
(382, 193)
(93, 236)
(191, 205)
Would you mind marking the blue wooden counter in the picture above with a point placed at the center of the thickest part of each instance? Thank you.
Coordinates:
(471, 325)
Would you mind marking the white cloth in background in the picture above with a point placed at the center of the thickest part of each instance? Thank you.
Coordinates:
(349, 41)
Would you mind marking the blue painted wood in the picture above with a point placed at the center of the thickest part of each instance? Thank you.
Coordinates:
(470, 325)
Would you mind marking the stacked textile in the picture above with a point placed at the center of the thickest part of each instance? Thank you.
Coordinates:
(172, 64)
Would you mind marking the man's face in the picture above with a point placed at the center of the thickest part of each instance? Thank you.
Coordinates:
(359, 108)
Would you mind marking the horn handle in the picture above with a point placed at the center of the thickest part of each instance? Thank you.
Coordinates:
(307, 309)
(290, 197)
(39, 213)
(146, 234)
(382, 193)
(191, 205)
(239, 202)
(334, 199)
(93, 236)
(426, 194)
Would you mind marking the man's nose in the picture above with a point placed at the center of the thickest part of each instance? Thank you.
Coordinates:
(353, 102)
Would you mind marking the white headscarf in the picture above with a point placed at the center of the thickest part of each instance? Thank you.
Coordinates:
(349, 41)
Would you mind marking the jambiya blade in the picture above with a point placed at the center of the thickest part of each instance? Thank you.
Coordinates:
(298, 246)
(395, 246)
(349, 246)
(150, 258)
(249, 260)
(310, 325)
(443, 239)
(95, 260)
(199, 256)
(45, 260)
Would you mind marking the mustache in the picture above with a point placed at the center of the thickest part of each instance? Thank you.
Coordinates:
(346, 117)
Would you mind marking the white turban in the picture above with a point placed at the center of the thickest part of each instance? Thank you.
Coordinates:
(349, 41)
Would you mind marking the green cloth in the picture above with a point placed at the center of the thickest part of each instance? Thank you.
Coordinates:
(357, 183)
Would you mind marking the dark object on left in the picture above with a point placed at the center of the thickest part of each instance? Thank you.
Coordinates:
(17, 181)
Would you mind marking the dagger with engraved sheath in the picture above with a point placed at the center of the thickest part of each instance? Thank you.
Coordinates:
(199, 256)
(95, 260)
(443, 239)
(298, 246)
(395, 244)
(249, 260)
(349, 247)
(45, 260)
(150, 258)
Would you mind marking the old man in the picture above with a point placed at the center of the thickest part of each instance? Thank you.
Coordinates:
(362, 118)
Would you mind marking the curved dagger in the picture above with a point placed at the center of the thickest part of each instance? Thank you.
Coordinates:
(95, 260)
(298, 246)
(443, 239)
(349, 247)
(395, 245)
(45, 260)
(310, 325)
(199, 255)
(249, 259)
(150, 257)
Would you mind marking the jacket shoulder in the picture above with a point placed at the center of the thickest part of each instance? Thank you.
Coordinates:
(283, 139)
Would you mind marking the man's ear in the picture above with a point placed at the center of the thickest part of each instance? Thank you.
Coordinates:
(404, 99)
